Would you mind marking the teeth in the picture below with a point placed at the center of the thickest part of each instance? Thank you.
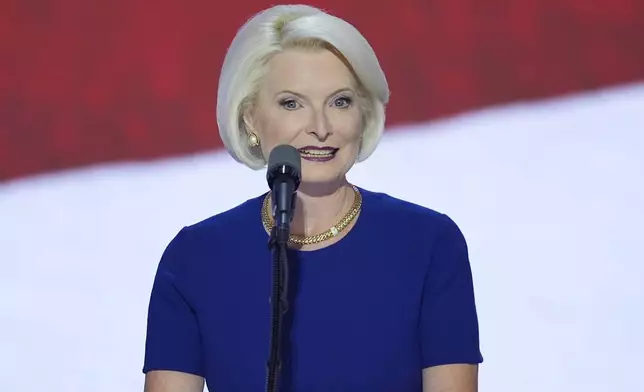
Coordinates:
(316, 152)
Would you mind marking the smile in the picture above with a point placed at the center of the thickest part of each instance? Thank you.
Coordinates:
(317, 154)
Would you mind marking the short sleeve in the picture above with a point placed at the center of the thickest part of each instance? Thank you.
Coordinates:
(449, 326)
(172, 338)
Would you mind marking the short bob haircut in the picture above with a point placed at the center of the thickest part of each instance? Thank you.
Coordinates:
(278, 28)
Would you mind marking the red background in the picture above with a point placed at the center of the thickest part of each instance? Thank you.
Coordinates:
(83, 82)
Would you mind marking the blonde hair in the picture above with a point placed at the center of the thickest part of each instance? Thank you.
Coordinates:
(270, 32)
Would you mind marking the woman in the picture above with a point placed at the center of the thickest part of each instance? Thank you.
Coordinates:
(383, 298)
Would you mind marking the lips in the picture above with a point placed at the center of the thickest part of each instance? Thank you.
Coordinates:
(317, 154)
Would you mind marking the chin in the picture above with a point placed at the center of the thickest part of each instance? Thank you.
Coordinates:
(318, 177)
(322, 178)
(323, 174)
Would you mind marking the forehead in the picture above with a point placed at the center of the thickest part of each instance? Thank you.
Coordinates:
(307, 70)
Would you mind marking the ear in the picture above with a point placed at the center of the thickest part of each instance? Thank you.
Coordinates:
(247, 118)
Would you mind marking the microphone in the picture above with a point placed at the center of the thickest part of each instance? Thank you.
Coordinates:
(283, 176)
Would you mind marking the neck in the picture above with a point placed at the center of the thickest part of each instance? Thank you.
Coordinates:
(318, 207)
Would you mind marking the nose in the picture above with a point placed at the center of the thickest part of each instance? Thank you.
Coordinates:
(320, 127)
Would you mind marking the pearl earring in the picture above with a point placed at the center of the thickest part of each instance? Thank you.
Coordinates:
(253, 140)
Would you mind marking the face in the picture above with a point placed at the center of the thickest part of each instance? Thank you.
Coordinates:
(309, 100)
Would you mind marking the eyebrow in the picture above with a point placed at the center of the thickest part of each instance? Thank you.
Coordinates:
(301, 96)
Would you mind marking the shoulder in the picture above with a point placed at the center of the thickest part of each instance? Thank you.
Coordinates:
(214, 234)
(227, 223)
(399, 213)
(414, 229)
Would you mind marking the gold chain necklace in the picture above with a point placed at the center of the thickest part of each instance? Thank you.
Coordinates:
(267, 221)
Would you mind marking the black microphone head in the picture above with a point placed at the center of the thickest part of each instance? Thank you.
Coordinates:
(284, 160)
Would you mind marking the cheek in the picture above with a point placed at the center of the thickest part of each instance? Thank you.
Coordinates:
(278, 129)
(349, 127)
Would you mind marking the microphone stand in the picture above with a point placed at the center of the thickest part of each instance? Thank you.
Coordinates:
(278, 244)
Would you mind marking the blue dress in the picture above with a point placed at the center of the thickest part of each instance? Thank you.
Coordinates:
(369, 312)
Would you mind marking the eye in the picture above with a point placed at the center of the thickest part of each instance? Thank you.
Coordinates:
(342, 102)
(289, 104)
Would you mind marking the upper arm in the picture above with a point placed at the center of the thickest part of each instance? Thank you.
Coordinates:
(451, 378)
(170, 381)
(448, 325)
(173, 359)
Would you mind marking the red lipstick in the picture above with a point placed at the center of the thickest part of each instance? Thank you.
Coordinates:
(317, 153)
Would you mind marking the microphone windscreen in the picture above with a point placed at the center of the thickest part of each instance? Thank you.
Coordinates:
(284, 159)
